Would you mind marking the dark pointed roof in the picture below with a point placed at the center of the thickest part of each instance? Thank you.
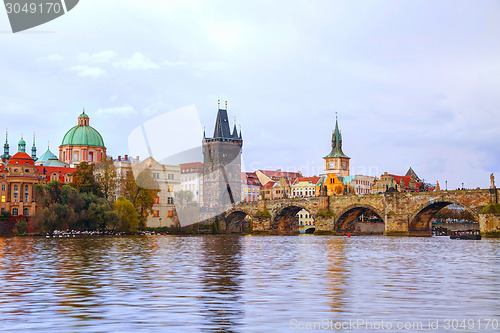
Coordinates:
(337, 143)
(222, 125)
(412, 173)
(235, 132)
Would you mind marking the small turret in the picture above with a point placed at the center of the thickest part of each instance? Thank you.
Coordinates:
(6, 147)
(21, 146)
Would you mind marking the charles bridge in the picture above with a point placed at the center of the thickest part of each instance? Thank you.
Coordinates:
(402, 213)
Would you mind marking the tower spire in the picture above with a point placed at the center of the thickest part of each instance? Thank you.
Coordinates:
(6, 147)
(33, 148)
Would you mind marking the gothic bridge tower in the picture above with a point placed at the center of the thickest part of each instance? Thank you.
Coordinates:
(222, 166)
(337, 162)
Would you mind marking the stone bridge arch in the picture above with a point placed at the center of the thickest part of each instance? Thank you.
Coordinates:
(284, 219)
(237, 220)
(419, 221)
(348, 217)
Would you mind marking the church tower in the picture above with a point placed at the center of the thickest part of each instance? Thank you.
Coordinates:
(337, 162)
(222, 166)
(6, 148)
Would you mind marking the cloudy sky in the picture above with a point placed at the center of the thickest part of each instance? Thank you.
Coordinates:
(414, 83)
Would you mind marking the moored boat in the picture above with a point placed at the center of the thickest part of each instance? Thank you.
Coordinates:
(465, 234)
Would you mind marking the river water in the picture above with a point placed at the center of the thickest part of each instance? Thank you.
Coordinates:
(249, 284)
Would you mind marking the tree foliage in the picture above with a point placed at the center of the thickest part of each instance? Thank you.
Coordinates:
(141, 192)
(107, 177)
(128, 218)
(84, 181)
(64, 207)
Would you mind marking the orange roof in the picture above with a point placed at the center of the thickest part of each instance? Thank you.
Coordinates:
(269, 184)
(21, 158)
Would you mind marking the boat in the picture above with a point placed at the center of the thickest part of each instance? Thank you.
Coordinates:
(465, 234)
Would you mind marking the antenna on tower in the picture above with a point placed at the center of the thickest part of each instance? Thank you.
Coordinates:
(218, 103)
(226, 105)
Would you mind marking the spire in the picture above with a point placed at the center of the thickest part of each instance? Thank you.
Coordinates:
(33, 149)
(235, 131)
(337, 141)
(240, 134)
(6, 147)
(222, 125)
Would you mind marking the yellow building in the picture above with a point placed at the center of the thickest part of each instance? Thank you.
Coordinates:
(307, 225)
(330, 184)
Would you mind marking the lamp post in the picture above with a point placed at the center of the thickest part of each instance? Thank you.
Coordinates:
(462, 185)
(446, 182)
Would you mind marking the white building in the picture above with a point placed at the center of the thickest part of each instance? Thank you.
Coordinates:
(305, 187)
(250, 187)
(361, 184)
(167, 178)
(192, 179)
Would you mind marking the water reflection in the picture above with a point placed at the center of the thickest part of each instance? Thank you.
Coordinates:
(241, 284)
(221, 277)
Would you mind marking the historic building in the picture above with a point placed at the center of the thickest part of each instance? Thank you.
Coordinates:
(337, 162)
(17, 182)
(222, 166)
(410, 182)
(82, 143)
(306, 222)
(166, 178)
(192, 179)
(359, 183)
(250, 187)
(303, 187)
(331, 184)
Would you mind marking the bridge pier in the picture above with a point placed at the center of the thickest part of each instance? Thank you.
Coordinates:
(489, 221)
(396, 224)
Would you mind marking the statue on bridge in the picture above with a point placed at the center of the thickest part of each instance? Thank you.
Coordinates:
(492, 180)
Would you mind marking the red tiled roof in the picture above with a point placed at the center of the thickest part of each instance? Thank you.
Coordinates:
(250, 178)
(191, 167)
(21, 159)
(49, 170)
(313, 180)
(279, 174)
(269, 184)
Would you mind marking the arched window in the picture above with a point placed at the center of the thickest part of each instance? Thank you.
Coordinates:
(26, 212)
(16, 193)
(26, 194)
(15, 211)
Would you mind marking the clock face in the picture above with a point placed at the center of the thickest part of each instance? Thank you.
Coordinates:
(332, 165)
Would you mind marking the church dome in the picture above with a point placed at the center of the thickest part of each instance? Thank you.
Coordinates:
(83, 134)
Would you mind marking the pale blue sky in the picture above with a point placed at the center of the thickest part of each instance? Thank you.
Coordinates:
(415, 83)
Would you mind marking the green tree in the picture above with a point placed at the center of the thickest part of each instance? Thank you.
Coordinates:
(142, 192)
(107, 177)
(84, 181)
(128, 217)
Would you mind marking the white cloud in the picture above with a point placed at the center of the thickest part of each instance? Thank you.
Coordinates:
(87, 71)
(136, 62)
(124, 110)
(53, 57)
(99, 57)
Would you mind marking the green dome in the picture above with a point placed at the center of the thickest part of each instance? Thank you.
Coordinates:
(22, 142)
(48, 155)
(83, 115)
(83, 135)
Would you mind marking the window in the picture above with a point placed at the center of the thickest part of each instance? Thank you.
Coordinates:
(3, 187)
(26, 194)
(15, 211)
(157, 200)
(156, 175)
(26, 212)
(156, 213)
(75, 156)
(91, 156)
(170, 200)
(16, 193)
(170, 176)
(170, 213)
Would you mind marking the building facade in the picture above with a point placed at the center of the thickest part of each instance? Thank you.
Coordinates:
(250, 187)
(222, 166)
(82, 143)
(192, 179)
(303, 187)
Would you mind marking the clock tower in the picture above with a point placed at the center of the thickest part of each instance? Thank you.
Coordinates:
(337, 162)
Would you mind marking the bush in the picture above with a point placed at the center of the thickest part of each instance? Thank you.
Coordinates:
(325, 213)
(263, 214)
